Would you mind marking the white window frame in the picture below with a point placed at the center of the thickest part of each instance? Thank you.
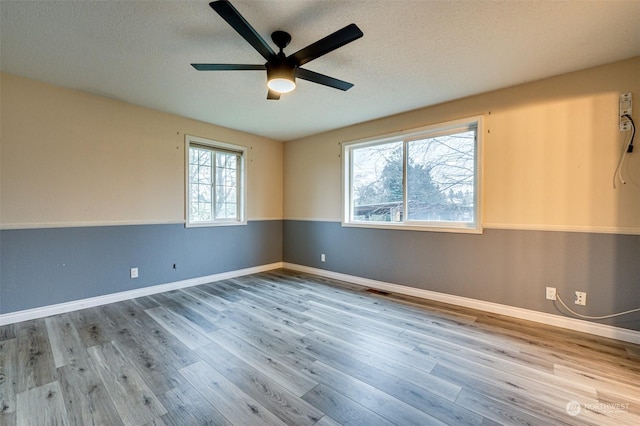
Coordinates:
(406, 136)
(242, 181)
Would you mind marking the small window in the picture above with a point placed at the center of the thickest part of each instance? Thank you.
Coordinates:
(422, 179)
(215, 183)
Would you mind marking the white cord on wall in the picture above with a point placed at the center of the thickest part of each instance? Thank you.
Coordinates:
(594, 318)
(625, 150)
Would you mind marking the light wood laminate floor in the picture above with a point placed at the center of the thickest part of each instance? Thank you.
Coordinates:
(288, 348)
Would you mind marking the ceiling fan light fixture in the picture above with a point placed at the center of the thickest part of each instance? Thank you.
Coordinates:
(281, 78)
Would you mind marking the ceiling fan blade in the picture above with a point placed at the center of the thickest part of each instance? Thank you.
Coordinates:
(228, 67)
(233, 18)
(273, 95)
(322, 79)
(323, 46)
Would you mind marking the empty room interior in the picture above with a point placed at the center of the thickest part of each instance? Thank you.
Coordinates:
(312, 212)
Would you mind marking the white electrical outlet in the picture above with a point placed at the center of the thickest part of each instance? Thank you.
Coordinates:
(581, 298)
(551, 293)
(134, 272)
(322, 257)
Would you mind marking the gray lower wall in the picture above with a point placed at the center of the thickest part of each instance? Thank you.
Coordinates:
(509, 267)
(40, 267)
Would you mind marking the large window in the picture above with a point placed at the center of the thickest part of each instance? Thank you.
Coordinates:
(215, 183)
(424, 179)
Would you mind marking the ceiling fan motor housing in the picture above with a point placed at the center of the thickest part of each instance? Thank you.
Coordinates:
(281, 76)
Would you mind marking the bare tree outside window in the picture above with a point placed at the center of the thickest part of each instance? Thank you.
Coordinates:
(215, 183)
(377, 182)
(426, 178)
(226, 206)
(441, 178)
(200, 178)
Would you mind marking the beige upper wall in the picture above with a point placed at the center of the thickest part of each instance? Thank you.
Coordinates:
(72, 158)
(550, 151)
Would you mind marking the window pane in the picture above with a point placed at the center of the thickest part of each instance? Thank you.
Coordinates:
(204, 194)
(200, 184)
(377, 183)
(226, 186)
(441, 178)
(193, 193)
(204, 157)
(214, 182)
(226, 160)
(226, 211)
(204, 175)
(204, 212)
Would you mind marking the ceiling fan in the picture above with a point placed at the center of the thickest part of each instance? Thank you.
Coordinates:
(282, 70)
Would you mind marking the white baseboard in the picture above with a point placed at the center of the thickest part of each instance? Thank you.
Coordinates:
(496, 308)
(75, 305)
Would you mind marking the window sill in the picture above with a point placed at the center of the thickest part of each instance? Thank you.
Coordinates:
(461, 229)
(211, 224)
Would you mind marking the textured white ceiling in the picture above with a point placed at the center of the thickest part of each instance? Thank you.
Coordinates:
(413, 53)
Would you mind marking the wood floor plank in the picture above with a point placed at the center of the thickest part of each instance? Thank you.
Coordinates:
(7, 332)
(179, 327)
(146, 302)
(377, 352)
(607, 353)
(35, 360)
(416, 373)
(279, 400)
(295, 315)
(498, 411)
(350, 331)
(370, 397)
(9, 373)
(256, 319)
(157, 422)
(192, 314)
(268, 363)
(629, 407)
(66, 345)
(522, 399)
(194, 303)
(327, 421)
(235, 405)
(523, 378)
(221, 291)
(208, 297)
(134, 401)
(269, 337)
(152, 334)
(421, 398)
(91, 327)
(186, 406)
(277, 314)
(42, 405)
(151, 364)
(600, 383)
(155, 360)
(341, 408)
(279, 298)
(326, 312)
(86, 398)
